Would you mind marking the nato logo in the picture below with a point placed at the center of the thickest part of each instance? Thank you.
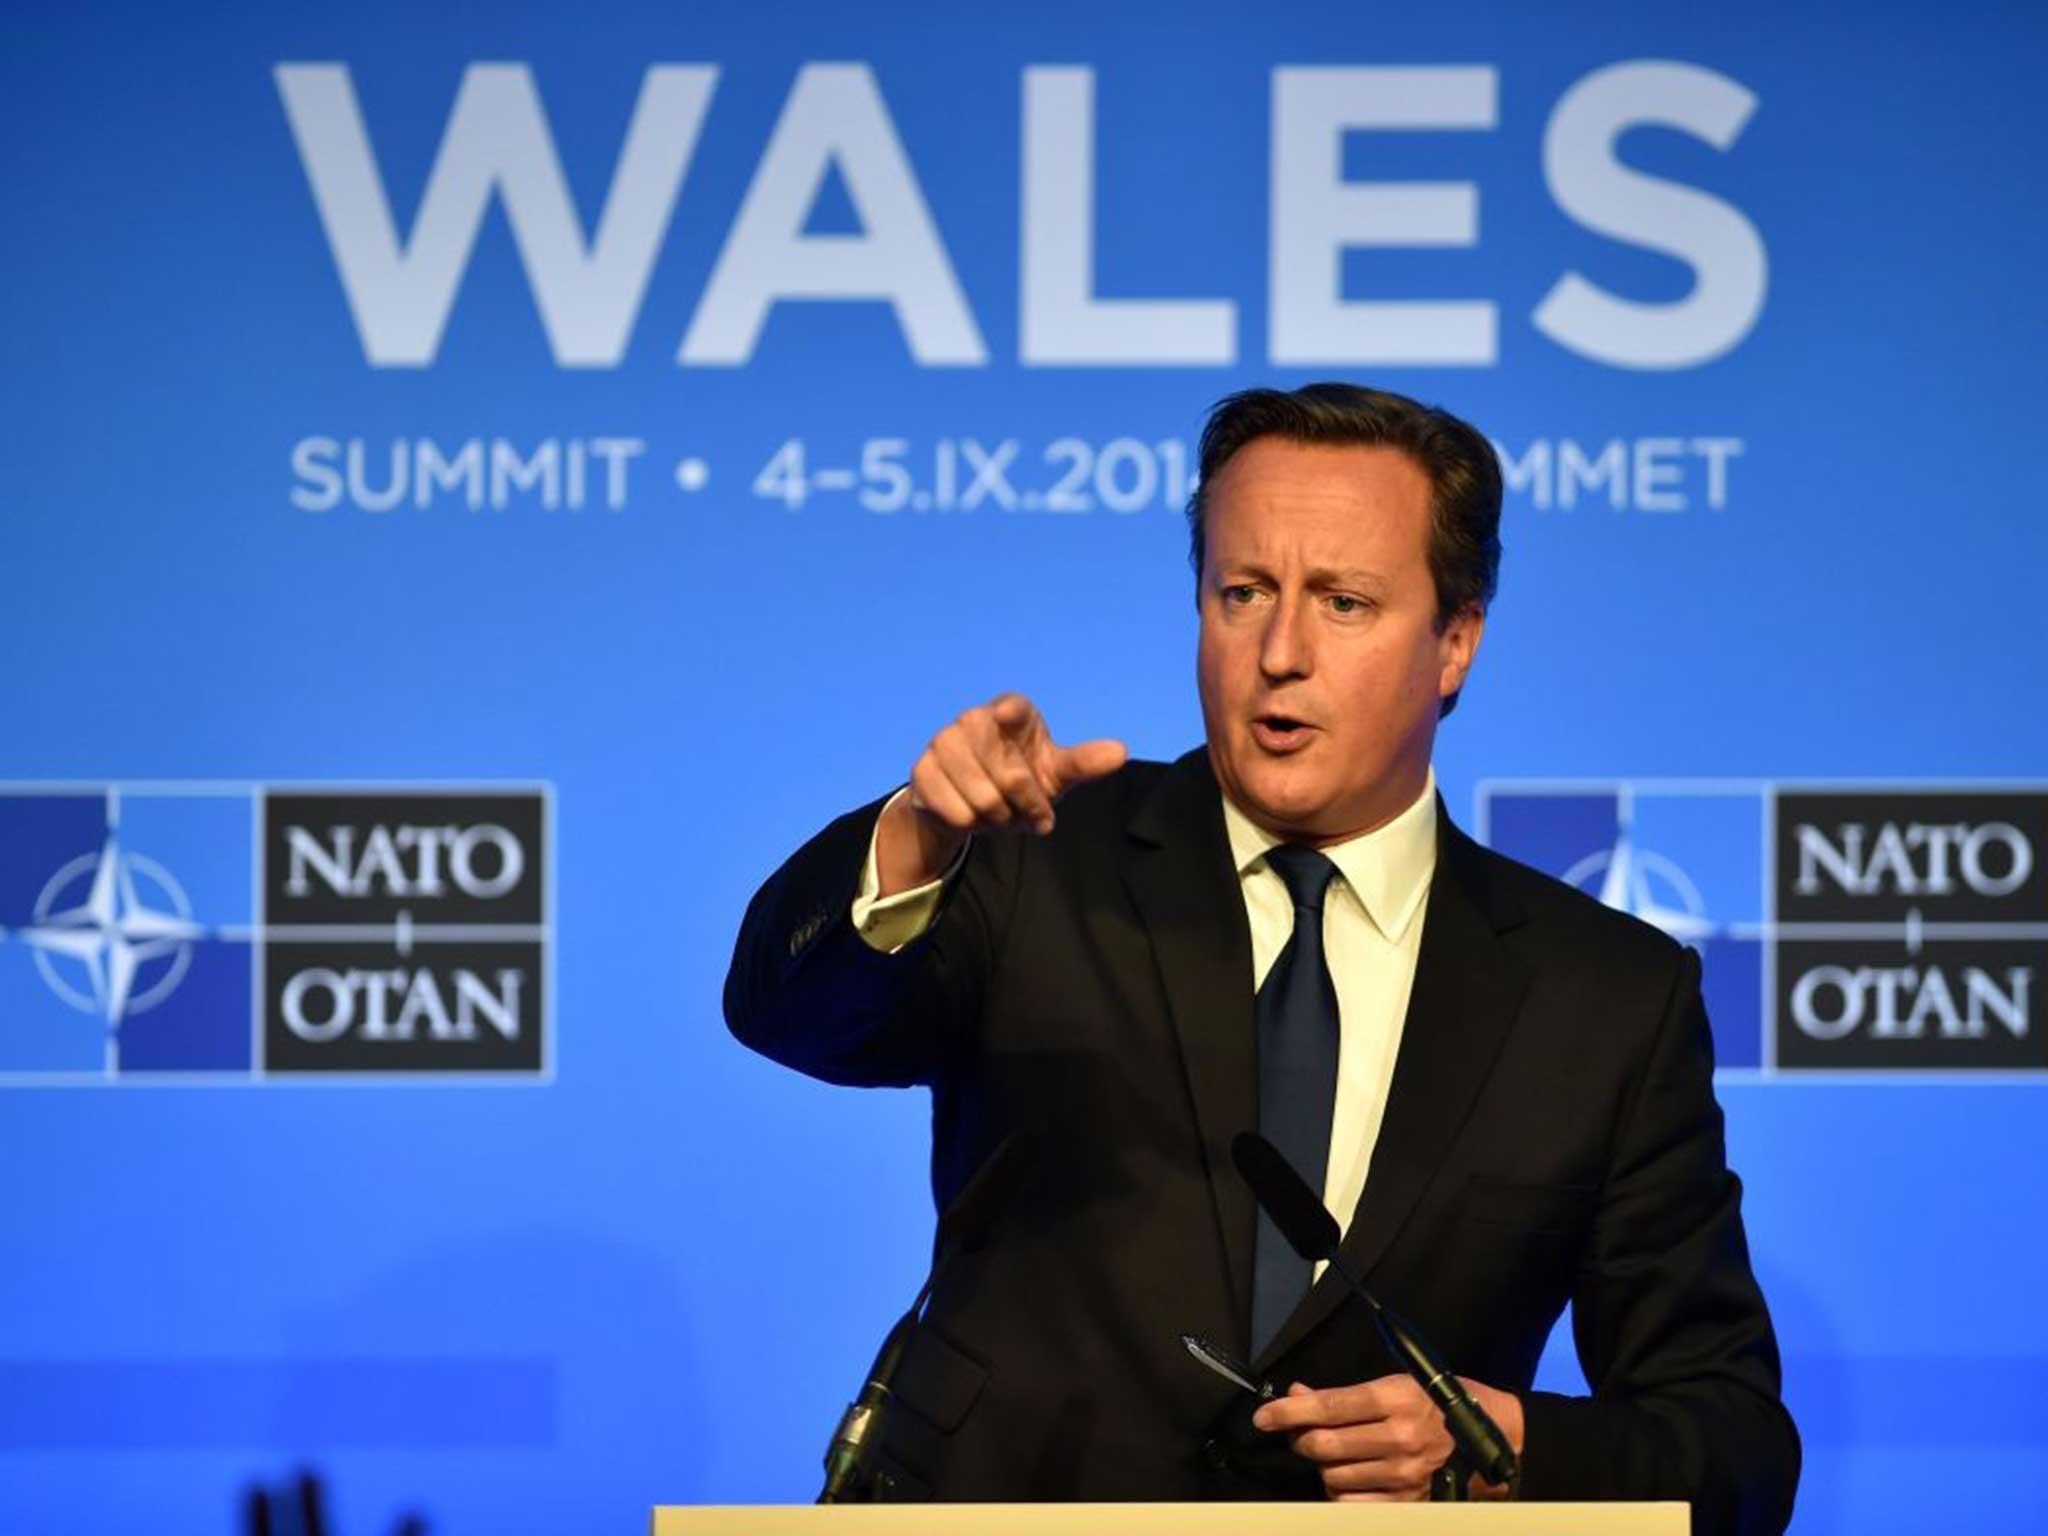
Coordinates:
(1863, 927)
(188, 932)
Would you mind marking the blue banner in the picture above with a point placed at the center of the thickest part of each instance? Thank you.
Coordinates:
(485, 483)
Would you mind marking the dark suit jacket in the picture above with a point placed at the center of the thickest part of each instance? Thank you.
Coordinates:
(1551, 1136)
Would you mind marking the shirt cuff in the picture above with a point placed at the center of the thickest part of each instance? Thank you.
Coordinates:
(887, 923)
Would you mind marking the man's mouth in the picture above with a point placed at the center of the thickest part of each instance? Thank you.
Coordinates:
(1280, 733)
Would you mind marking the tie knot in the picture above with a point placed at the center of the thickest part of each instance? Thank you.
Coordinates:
(1305, 872)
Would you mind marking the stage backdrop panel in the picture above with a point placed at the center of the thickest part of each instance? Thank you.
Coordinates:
(484, 482)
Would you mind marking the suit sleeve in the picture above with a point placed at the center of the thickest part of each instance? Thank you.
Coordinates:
(1670, 1325)
(806, 990)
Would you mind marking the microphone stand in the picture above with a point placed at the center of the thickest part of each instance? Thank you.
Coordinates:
(1312, 1232)
(1451, 1483)
(860, 1427)
(963, 1228)
(1479, 1445)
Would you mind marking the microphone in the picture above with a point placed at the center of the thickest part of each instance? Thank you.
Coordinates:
(963, 1228)
(1312, 1232)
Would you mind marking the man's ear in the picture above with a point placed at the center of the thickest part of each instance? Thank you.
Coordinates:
(1457, 646)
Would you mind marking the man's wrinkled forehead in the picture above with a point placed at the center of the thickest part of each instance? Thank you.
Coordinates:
(1348, 513)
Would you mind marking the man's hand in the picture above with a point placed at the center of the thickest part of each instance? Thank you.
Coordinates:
(996, 767)
(1381, 1439)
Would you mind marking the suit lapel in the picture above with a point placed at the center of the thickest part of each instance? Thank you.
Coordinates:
(1179, 871)
(1467, 988)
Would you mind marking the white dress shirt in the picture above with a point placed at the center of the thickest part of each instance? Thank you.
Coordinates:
(1372, 930)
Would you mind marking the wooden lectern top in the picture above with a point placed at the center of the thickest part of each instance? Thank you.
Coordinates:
(1221, 1519)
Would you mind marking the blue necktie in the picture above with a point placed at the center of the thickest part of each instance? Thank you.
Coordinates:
(1297, 1015)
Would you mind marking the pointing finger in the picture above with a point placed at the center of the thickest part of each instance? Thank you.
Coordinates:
(1011, 710)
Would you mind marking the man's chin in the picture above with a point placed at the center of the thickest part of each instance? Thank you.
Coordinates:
(1282, 798)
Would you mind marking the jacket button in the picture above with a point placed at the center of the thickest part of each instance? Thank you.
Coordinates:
(1214, 1456)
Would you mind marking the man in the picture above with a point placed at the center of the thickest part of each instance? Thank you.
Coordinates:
(1503, 1089)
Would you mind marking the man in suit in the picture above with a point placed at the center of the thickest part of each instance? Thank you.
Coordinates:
(1502, 1088)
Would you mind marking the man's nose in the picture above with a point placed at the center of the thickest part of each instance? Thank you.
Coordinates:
(1286, 649)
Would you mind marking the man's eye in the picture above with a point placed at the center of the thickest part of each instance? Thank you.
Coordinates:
(1241, 594)
(1341, 602)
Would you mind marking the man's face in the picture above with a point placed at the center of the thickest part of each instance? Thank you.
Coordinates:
(1320, 664)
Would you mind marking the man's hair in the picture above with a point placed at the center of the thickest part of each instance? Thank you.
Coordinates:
(1464, 474)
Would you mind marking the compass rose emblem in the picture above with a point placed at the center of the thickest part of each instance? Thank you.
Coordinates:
(112, 933)
(1645, 885)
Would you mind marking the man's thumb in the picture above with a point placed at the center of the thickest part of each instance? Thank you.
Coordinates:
(1089, 760)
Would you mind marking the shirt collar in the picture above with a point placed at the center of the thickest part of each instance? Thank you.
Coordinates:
(1389, 868)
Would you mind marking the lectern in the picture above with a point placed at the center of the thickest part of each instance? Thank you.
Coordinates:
(1221, 1519)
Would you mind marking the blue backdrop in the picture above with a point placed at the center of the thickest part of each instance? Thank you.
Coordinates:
(641, 426)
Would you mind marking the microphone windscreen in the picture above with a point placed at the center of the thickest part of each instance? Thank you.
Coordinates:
(1310, 1230)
